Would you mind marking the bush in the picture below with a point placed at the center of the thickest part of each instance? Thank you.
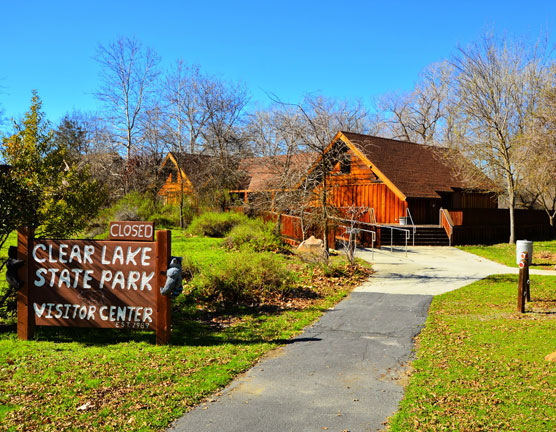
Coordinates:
(242, 277)
(254, 234)
(136, 206)
(335, 269)
(213, 224)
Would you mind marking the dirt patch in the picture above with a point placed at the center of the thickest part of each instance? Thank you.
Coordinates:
(400, 376)
(544, 259)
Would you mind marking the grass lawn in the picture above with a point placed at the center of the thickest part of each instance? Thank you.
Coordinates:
(544, 253)
(86, 379)
(480, 365)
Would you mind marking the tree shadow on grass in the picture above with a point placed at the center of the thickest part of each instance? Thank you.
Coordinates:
(505, 277)
(542, 306)
(235, 325)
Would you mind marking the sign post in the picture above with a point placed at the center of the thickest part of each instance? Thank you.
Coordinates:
(96, 283)
(163, 303)
(523, 288)
(25, 315)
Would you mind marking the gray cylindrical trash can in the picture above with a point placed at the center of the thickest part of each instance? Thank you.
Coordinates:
(523, 246)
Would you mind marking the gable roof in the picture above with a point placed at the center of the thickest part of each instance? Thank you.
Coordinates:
(272, 172)
(195, 167)
(414, 170)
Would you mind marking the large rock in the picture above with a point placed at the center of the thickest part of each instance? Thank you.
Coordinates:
(312, 244)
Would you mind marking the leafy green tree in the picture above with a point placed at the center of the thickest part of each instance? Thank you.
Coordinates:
(18, 207)
(18, 204)
(67, 197)
(71, 136)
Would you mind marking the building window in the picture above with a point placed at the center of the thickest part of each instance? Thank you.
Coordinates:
(345, 166)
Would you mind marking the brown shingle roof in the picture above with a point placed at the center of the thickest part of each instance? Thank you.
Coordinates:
(274, 172)
(419, 171)
(197, 167)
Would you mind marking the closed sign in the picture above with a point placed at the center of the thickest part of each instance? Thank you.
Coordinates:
(131, 230)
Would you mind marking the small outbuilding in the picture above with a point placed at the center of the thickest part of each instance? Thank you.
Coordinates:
(184, 173)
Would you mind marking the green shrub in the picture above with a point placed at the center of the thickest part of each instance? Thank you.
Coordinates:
(254, 234)
(142, 207)
(335, 269)
(242, 277)
(213, 224)
(189, 268)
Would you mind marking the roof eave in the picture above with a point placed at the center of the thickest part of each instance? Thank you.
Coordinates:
(371, 165)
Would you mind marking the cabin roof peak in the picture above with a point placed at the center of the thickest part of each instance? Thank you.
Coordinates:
(415, 170)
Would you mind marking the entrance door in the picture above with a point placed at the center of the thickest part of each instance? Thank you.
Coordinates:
(424, 211)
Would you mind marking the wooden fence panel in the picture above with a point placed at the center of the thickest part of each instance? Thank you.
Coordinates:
(291, 230)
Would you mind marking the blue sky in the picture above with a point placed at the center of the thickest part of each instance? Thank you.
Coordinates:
(350, 49)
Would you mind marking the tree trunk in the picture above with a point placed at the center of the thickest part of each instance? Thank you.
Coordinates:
(512, 218)
(192, 143)
(128, 144)
(181, 204)
(302, 219)
(325, 213)
(278, 227)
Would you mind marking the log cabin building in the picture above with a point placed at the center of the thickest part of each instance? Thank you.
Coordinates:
(433, 189)
(403, 183)
(402, 179)
(399, 182)
(271, 174)
(183, 173)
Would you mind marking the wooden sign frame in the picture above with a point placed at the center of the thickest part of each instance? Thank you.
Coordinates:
(27, 312)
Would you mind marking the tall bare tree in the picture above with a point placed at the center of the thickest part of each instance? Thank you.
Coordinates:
(538, 155)
(224, 135)
(499, 83)
(420, 115)
(186, 90)
(128, 76)
(319, 121)
(100, 152)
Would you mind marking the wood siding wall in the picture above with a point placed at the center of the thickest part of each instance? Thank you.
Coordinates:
(484, 226)
(291, 232)
(467, 200)
(487, 234)
(387, 206)
(477, 217)
(362, 188)
(171, 189)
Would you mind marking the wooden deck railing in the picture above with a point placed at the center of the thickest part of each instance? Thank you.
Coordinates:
(447, 224)
(291, 230)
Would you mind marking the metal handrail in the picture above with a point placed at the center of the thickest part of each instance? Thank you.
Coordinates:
(408, 214)
(373, 239)
(444, 214)
(392, 228)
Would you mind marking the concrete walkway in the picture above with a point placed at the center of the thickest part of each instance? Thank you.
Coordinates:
(344, 373)
(429, 270)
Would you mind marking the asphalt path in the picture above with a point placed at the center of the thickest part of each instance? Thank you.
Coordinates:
(346, 372)
(343, 373)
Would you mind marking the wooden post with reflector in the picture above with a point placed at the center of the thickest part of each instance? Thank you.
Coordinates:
(523, 289)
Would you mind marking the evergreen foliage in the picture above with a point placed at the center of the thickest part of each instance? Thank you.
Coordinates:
(64, 196)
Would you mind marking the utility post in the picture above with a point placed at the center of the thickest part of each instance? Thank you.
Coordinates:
(524, 288)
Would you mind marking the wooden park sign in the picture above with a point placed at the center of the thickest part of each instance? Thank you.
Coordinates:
(95, 283)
